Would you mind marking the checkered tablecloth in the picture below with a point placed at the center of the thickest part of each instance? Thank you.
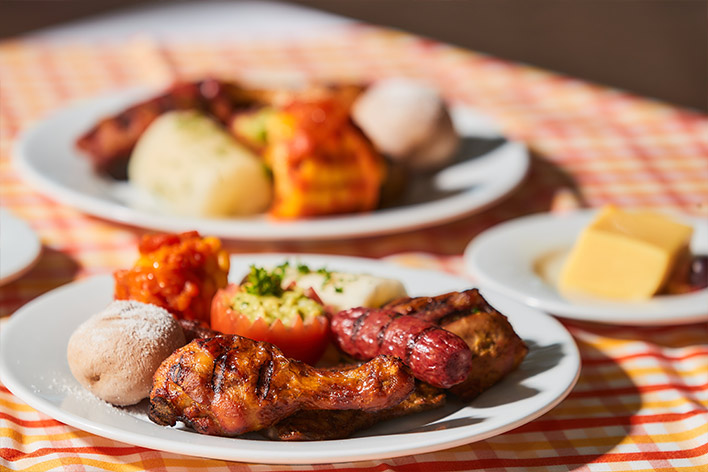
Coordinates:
(641, 402)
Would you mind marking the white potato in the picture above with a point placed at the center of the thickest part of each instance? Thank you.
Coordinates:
(191, 166)
(341, 290)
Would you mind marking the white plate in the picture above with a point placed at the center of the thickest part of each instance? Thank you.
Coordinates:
(47, 158)
(505, 259)
(19, 247)
(33, 366)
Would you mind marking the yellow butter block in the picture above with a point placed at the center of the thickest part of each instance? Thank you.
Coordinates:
(624, 255)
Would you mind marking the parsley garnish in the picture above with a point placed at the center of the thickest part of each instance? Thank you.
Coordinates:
(328, 279)
(326, 273)
(262, 282)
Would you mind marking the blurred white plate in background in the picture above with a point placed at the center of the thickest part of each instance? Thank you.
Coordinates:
(19, 247)
(47, 158)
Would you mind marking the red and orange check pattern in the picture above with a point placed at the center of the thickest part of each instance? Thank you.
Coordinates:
(641, 402)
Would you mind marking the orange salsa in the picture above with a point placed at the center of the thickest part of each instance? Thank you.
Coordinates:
(179, 272)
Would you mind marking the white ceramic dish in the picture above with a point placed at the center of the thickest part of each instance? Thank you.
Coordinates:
(47, 158)
(33, 366)
(505, 259)
(19, 247)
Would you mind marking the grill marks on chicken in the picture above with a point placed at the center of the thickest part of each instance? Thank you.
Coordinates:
(229, 385)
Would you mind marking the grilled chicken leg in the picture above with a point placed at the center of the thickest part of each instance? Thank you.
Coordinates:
(229, 385)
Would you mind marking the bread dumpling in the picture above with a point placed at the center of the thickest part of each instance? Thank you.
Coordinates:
(115, 353)
(191, 166)
(408, 121)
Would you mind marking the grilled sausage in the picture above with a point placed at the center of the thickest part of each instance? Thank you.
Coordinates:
(434, 355)
(496, 348)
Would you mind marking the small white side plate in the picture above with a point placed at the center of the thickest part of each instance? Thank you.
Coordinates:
(19, 247)
(505, 259)
(33, 366)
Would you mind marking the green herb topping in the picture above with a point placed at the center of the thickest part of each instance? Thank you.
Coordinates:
(261, 281)
(262, 296)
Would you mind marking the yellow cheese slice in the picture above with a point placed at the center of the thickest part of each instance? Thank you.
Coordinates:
(624, 255)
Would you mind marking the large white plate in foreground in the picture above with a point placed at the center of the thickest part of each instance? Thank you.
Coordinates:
(33, 366)
(47, 158)
(504, 260)
(19, 247)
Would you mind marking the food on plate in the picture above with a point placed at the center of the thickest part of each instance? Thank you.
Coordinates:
(190, 165)
(321, 163)
(260, 308)
(229, 385)
(323, 425)
(408, 121)
(318, 162)
(194, 329)
(179, 272)
(399, 359)
(115, 353)
(690, 275)
(341, 290)
(496, 348)
(110, 142)
(214, 148)
(252, 125)
(433, 354)
(625, 255)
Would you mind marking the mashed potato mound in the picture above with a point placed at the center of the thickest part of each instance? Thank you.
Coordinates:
(193, 167)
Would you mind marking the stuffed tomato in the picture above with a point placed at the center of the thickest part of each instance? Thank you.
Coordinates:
(294, 319)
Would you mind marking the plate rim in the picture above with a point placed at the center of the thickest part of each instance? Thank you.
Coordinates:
(34, 246)
(607, 312)
(414, 443)
(377, 222)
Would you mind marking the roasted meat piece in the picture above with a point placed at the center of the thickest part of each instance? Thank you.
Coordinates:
(194, 329)
(434, 354)
(321, 163)
(229, 385)
(179, 272)
(496, 348)
(322, 425)
(110, 142)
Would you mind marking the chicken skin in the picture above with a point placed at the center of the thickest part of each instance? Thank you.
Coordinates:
(229, 385)
(496, 348)
(319, 425)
